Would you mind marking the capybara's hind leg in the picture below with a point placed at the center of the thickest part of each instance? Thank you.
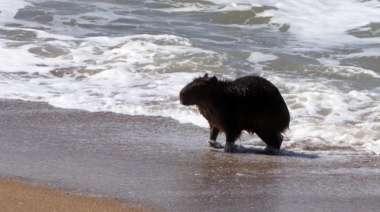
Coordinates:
(273, 141)
(214, 132)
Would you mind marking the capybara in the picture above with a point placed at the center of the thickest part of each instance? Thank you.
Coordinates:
(249, 103)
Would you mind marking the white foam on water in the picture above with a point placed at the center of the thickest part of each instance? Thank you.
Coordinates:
(327, 116)
(131, 75)
(257, 57)
(219, 6)
(8, 9)
(323, 22)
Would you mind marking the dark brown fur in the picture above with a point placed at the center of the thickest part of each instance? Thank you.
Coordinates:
(249, 103)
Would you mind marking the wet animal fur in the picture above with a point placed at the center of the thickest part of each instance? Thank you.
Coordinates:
(249, 103)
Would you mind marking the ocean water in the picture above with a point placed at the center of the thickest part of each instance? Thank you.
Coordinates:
(133, 57)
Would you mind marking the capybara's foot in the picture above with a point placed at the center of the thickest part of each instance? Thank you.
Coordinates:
(230, 147)
(215, 144)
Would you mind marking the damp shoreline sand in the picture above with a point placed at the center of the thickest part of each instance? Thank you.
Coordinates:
(159, 164)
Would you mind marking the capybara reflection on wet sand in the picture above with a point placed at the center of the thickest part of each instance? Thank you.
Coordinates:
(249, 103)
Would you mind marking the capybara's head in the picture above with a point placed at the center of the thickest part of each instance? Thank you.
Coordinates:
(198, 91)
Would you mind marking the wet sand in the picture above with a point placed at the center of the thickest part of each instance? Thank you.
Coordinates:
(160, 164)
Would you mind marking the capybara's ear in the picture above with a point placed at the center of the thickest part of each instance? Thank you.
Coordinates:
(205, 76)
(214, 79)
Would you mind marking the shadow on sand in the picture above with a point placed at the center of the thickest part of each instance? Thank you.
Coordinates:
(282, 153)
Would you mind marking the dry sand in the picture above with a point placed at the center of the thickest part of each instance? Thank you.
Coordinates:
(20, 196)
(160, 164)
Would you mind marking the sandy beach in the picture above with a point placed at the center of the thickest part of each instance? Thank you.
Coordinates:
(19, 196)
(160, 164)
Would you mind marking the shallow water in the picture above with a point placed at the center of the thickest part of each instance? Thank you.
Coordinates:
(133, 57)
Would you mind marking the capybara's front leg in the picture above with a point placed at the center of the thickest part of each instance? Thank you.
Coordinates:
(214, 132)
(230, 143)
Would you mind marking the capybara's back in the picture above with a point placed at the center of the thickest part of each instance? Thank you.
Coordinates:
(249, 103)
(260, 106)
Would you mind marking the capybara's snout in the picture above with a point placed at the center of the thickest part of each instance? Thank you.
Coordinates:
(183, 97)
